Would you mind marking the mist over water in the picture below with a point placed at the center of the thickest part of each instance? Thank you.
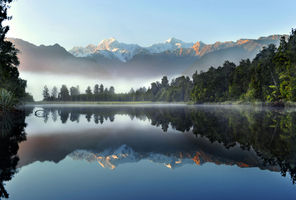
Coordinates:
(37, 81)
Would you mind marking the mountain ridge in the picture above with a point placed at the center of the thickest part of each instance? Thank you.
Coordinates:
(111, 48)
(130, 61)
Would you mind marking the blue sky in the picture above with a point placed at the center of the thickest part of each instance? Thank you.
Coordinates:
(78, 23)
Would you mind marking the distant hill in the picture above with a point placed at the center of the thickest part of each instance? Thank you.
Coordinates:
(215, 54)
(111, 58)
(54, 59)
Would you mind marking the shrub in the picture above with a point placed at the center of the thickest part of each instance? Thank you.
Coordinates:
(7, 100)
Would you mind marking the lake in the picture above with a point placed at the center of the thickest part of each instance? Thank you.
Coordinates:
(148, 151)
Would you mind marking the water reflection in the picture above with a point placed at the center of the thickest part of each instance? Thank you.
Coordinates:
(242, 136)
(11, 134)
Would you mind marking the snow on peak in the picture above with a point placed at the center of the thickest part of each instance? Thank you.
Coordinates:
(169, 45)
(173, 40)
(111, 48)
(121, 51)
(107, 44)
(83, 51)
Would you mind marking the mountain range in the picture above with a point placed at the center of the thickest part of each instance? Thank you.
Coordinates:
(112, 158)
(111, 48)
(111, 58)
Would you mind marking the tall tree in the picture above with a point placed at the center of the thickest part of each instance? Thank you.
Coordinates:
(45, 93)
(88, 91)
(96, 89)
(9, 75)
(101, 88)
(112, 90)
(165, 82)
(64, 93)
(54, 93)
(74, 91)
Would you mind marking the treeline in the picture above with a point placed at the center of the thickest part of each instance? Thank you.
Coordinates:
(178, 89)
(98, 93)
(269, 77)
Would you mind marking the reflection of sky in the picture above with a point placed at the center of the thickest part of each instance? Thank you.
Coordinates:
(46, 172)
(72, 179)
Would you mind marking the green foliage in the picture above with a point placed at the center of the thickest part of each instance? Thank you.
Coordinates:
(7, 100)
(27, 98)
(179, 90)
(9, 75)
(240, 79)
(271, 77)
(213, 85)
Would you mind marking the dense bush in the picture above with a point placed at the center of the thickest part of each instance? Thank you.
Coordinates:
(7, 100)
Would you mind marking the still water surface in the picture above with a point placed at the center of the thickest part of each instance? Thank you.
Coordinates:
(148, 152)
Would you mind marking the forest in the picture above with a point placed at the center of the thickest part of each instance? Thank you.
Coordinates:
(269, 77)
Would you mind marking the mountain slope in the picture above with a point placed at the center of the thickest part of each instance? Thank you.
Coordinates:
(54, 59)
(216, 54)
(112, 59)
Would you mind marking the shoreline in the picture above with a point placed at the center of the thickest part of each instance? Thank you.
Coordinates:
(99, 102)
(234, 103)
(254, 103)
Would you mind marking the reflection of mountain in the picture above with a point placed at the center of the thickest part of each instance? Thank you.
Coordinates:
(251, 137)
(125, 154)
(112, 58)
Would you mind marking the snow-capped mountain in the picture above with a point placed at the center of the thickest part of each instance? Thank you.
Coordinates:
(111, 58)
(111, 48)
(83, 52)
(171, 44)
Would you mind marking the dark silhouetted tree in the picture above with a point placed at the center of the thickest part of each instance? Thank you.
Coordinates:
(101, 88)
(64, 93)
(54, 93)
(45, 93)
(88, 91)
(96, 89)
(9, 75)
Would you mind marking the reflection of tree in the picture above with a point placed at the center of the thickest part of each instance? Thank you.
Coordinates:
(11, 133)
(88, 116)
(271, 133)
(54, 115)
(64, 116)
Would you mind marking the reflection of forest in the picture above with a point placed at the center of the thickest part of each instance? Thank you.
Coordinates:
(11, 134)
(271, 133)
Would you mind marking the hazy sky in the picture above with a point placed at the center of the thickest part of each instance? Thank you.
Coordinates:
(78, 23)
